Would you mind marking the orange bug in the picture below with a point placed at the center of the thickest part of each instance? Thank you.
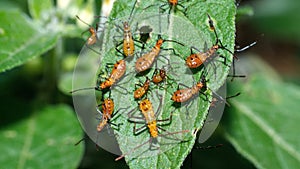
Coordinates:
(108, 113)
(145, 61)
(184, 95)
(93, 31)
(172, 5)
(151, 123)
(160, 75)
(195, 60)
(128, 40)
(142, 90)
(116, 74)
(93, 39)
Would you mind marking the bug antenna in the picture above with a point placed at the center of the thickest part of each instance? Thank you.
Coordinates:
(159, 25)
(173, 133)
(109, 94)
(210, 147)
(212, 27)
(123, 155)
(80, 141)
(221, 98)
(246, 47)
(132, 10)
(86, 88)
(229, 97)
(83, 21)
(169, 40)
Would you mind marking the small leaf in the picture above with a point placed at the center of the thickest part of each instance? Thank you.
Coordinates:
(7, 5)
(261, 123)
(65, 79)
(21, 40)
(244, 11)
(44, 140)
(38, 8)
(278, 20)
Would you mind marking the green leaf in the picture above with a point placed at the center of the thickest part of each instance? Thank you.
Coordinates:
(38, 8)
(8, 5)
(21, 39)
(191, 30)
(44, 140)
(278, 20)
(65, 79)
(261, 122)
(244, 11)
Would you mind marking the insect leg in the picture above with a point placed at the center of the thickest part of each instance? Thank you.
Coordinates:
(123, 155)
(172, 133)
(193, 47)
(183, 7)
(137, 131)
(169, 120)
(117, 126)
(181, 84)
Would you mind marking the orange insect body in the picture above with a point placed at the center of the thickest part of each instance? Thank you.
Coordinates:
(116, 74)
(93, 31)
(173, 2)
(107, 110)
(150, 117)
(147, 111)
(144, 62)
(93, 38)
(141, 91)
(128, 43)
(159, 77)
(184, 95)
(197, 59)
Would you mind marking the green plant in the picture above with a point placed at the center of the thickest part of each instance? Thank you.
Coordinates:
(39, 129)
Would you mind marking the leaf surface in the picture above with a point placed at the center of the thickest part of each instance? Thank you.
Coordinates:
(21, 39)
(263, 119)
(44, 140)
(191, 29)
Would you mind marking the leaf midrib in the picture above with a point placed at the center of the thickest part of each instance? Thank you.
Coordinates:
(22, 47)
(267, 129)
(27, 143)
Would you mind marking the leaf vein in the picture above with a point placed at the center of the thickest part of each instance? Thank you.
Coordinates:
(21, 48)
(268, 130)
(27, 143)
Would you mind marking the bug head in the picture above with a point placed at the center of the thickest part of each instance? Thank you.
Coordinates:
(133, 6)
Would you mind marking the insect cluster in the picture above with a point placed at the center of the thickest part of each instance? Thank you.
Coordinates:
(146, 78)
